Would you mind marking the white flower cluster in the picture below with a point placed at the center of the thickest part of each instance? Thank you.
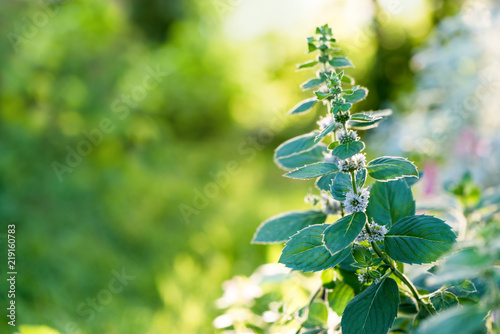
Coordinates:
(330, 206)
(324, 122)
(354, 163)
(347, 136)
(356, 202)
(377, 233)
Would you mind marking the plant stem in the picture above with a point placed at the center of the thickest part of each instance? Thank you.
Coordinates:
(353, 180)
(400, 275)
(311, 300)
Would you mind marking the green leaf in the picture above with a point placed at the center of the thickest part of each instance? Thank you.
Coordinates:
(362, 117)
(303, 106)
(391, 168)
(347, 264)
(418, 239)
(333, 145)
(325, 182)
(465, 264)
(372, 311)
(411, 180)
(327, 278)
(361, 254)
(360, 178)
(317, 316)
(442, 300)
(305, 251)
(357, 125)
(315, 82)
(303, 158)
(296, 145)
(324, 132)
(307, 64)
(342, 233)
(321, 95)
(358, 95)
(456, 320)
(389, 202)
(348, 79)
(462, 289)
(363, 125)
(344, 151)
(339, 297)
(313, 170)
(339, 62)
(342, 184)
(380, 113)
(281, 227)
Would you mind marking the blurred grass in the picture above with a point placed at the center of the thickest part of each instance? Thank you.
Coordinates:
(119, 208)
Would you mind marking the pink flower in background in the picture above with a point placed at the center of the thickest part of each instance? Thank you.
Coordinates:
(431, 177)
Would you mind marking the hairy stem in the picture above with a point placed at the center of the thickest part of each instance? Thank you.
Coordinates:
(353, 180)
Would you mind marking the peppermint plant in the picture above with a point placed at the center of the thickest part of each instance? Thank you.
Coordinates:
(362, 236)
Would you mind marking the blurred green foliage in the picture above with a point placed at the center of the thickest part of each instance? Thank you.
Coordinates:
(64, 68)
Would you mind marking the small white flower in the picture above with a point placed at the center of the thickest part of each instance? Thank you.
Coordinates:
(354, 163)
(330, 206)
(377, 233)
(362, 236)
(363, 276)
(356, 202)
(347, 136)
(324, 122)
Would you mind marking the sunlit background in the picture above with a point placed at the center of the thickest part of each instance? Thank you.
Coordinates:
(136, 139)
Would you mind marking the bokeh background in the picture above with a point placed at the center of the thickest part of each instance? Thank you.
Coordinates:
(136, 139)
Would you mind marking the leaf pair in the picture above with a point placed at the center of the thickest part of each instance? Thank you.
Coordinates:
(319, 247)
